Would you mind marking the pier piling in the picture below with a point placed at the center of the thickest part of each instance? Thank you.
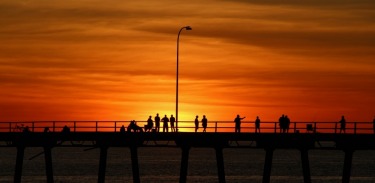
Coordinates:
(268, 165)
(48, 163)
(19, 163)
(102, 164)
(184, 163)
(135, 166)
(347, 165)
(305, 166)
(220, 164)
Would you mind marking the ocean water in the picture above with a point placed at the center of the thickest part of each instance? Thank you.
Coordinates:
(75, 165)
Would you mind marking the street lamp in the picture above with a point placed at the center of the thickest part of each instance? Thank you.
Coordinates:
(178, 41)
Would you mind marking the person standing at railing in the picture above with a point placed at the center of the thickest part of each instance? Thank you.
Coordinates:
(287, 123)
(282, 123)
(342, 124)
(165, 123)
(257, 125)
(46, 130)
(237, 122)
(196, 123)
(157, 122)
(204, 123)
(172, 120)
(122, 129)
(150, 124)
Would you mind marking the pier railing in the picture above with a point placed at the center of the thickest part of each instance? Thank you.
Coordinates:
(189, 126)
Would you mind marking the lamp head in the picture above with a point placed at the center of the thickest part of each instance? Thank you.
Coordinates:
(188, 28)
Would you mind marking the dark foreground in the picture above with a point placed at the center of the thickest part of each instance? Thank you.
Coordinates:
(187, 157)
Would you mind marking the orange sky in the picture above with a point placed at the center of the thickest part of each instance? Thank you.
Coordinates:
(115, 59)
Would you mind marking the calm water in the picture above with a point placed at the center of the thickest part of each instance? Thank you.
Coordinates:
(163, 165)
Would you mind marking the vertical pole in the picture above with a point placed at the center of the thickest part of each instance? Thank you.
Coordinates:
(178, 40)
(184, 163)
(355, 127)
(10, 126)
(347, 165)
(314, 127)
(19, 163)
(54, 126)
(215, 127)
(305, 166)
(48, 163)
(220, 164)
(275, 126)
(335, 127)
(135, 167)
(96, 126)
(33, 126)
(102, 164)
(115, 126)
(75, 126)
(267, 165)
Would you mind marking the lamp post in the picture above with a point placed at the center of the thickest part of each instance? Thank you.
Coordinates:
(178, 41)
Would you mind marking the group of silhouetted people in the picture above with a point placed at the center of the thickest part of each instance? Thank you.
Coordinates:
(204, 123)
(284, 123)
(149, 127)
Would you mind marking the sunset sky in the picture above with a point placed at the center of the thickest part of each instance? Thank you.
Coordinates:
(116, 60)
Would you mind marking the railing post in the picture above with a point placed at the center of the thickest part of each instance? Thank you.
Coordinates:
(75, 126)
(53, 126)
(215, 127)
(115, 126)
(32, 128)
(295, 127)
(355, 127)
(314, 127)
(96, 127)
(275, 126)
(335, 127)
(10, 126)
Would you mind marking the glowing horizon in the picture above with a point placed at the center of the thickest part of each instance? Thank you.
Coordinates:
(73, 60)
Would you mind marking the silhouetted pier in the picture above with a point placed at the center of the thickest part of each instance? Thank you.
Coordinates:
(269, 141)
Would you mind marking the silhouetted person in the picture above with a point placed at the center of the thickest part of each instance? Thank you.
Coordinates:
(287, 123)
(196, 123)
(165, 123)
(237, 122)
(149, 125)
(157, 122)
(46, 130)
(342, 124)
(122, 129)
(282, 123)
(133, 126)
(172, 120)
(26, 129)
(204, 123)
(374, 124)
(257, 125)
(65, 130)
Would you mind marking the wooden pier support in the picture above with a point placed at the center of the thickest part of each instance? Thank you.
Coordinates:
(135, 166)
(347, 165)
(220, 164)
(48, 163)
(102, 164)
(19, 163)
(184, 163)
(305, 166)
(268, 165)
